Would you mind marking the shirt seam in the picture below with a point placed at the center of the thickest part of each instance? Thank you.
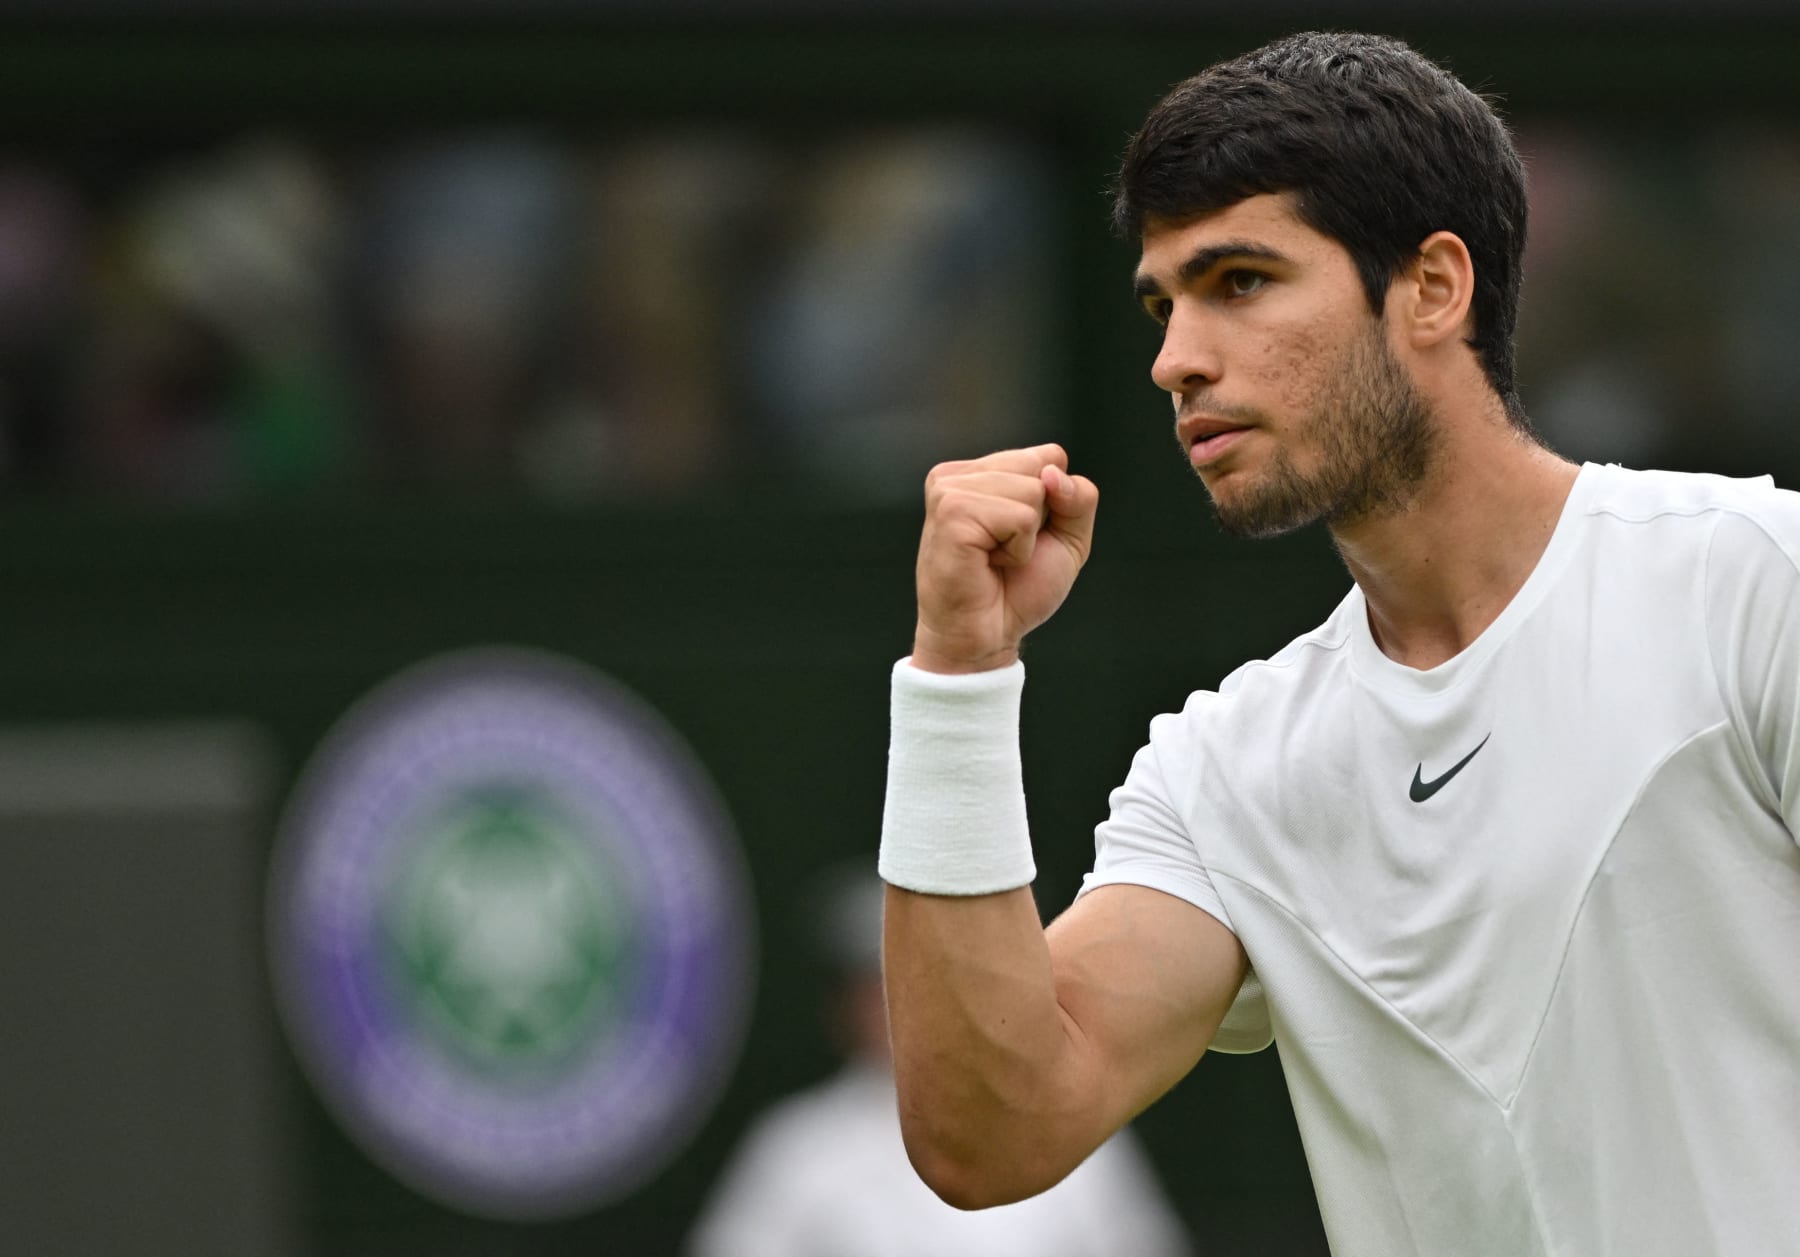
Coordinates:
(1680, 512)
(1456, 1062)
(1587, 890)
(1309, 642)
(1363, 983)
(1507, 1110)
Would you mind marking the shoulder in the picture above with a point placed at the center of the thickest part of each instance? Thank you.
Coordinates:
(1259, 698)
(1295, 668)
(1736, 525)
(1300, 661)
(1631, 496)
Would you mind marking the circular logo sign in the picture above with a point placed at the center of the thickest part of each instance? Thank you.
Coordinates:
(510, 934)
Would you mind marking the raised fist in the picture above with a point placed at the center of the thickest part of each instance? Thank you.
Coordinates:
(1004, 539)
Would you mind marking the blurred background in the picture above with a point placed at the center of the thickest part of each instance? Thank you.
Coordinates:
(335, 338)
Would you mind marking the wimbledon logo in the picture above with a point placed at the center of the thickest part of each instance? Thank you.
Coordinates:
(510, 934)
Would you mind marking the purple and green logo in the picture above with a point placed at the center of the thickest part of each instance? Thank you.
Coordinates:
(511, 934)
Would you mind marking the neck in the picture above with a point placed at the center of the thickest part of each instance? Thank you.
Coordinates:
(1437, 573)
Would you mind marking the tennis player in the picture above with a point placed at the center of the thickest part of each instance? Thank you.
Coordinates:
(1501, 855)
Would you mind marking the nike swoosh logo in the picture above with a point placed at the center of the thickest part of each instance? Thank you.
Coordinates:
(1422, 789)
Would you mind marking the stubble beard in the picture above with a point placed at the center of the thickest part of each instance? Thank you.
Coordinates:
(1376, 438)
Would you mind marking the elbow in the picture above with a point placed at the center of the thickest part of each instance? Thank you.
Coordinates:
(968, 1178)
(957, 1183)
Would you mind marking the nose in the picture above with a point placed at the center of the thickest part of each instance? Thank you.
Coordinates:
(1189, 356)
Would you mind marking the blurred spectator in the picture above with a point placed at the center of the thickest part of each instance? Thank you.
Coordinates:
(824, 1173)
(215, 368)
(464, 277)
(652, 404)
(907, 326)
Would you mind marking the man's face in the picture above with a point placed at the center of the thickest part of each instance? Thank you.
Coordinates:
(1289, 401)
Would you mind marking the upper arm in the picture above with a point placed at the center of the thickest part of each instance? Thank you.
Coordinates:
(1144, 980)
(1145, 962)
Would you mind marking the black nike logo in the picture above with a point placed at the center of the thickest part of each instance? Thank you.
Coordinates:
(1422, 789)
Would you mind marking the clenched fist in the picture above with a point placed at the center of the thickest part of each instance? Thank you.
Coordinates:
(1004, 539)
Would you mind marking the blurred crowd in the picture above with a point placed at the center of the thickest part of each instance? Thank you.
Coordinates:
(682, 313)
(1662, 295)
(511, 312)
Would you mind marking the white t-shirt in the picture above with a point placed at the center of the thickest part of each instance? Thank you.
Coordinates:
(1524, 926)
(824, 1174)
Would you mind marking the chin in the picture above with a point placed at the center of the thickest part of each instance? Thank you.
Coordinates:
(1261, 512)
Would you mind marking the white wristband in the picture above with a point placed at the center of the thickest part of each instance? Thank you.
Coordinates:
(954, 823)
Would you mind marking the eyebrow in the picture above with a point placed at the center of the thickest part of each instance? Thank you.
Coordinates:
(1203, 260)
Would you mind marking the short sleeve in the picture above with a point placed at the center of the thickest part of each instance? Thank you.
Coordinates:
(1145, 841)
(1753, 632)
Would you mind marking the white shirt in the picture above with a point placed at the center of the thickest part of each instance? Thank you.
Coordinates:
(1553, 1007)
(824, 1174)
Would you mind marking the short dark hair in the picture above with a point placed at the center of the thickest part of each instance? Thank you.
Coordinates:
(1379, 146)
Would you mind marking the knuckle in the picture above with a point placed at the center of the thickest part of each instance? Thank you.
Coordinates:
(941, 471)
(953, 500)
(942, 494)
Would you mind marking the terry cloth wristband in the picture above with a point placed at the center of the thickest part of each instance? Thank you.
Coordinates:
(954, 822)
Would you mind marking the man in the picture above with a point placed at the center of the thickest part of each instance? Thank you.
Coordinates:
(823, 1171)
(1502, 855)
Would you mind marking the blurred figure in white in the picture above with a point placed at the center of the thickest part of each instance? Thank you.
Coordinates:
(823, 1172)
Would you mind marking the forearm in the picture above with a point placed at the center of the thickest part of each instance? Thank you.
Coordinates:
(990, 1069)
(984, 1060)
(983, 1057)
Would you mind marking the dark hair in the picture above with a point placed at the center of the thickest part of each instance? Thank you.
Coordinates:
(1379, 146)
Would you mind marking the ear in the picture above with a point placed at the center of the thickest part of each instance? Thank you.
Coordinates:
(1437, 288)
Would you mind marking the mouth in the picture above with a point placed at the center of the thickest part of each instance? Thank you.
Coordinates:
(1208, 441)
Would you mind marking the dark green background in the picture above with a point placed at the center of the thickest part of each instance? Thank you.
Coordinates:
(760, 627)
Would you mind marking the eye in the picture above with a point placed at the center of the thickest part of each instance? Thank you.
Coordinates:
(1159, 309)
(1242, 283)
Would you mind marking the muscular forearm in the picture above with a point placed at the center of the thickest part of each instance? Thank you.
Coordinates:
(995, 1101)
(992, 1100)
